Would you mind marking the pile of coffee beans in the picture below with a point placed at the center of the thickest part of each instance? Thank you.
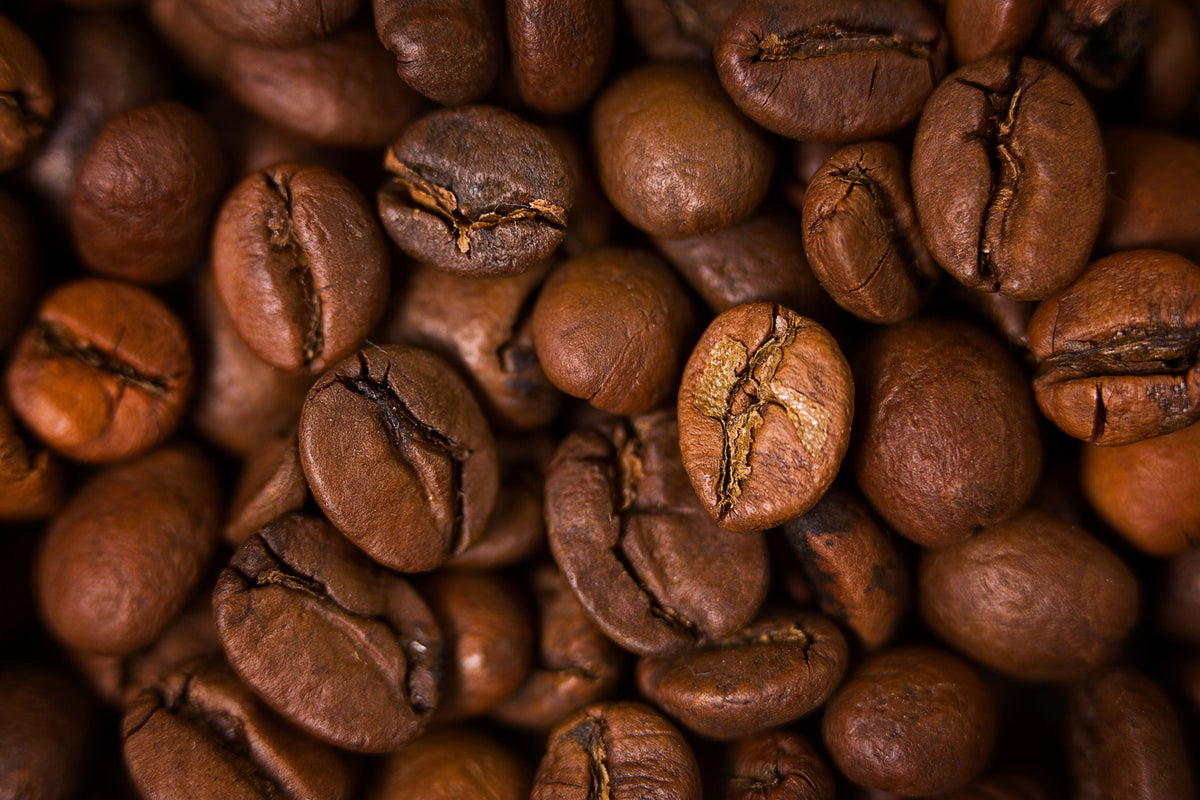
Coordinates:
(600, 399)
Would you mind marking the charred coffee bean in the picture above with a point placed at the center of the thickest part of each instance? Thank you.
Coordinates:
(399, 457)
(560, 50)
(145, 193)
(476, 191)
(621, 751)
(764, 415)
(46, 734)
(300, 264)
(28, 92)
(947, 430)
(652, 570)
(673, 153)
(200, 732)
(861, 234)
(777, 765)
(1008, 177)
(120, 561)
(831, 70)
(337, 645)
(268, 23)
(453, 763)
(982, 28)
(1097, 40)
(1118, 351)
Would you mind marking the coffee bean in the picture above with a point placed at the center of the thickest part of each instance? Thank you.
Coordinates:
(271, 484)
(47, 733)
(340, 647)
(31, 481)
(269, 24)
(560, 50)
(764, 415)
(1097, 40)
(777, 765)
(1178, 605)
(667, 30)
(29, 95)
(451, 763)
(982, 28)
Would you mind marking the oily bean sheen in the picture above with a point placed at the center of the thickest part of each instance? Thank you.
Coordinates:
(777, 765)
(120, 560)
(764, 415)
(28, 92)
(616, 751)
(947, 430)
(1118, 350)
(476, 191)
(829, 69)
(1008, 176)
(448, 50)
(982, 28)
(270, 23)
(915, 721)
(199, 732)
(652, 570)
(861, 234)
(560, 50)
(103, 372)
(777, 669)
(673, 153)
(300, 265)
(337, 645)
(399, 457)
(453, 763)
(1032, 597)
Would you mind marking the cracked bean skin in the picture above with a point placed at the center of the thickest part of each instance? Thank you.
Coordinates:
(300, 265)
(1118, 351)
(861, 234)
(764, 415)
(649, 566)
(337, 645)
(399, 457)
(199, 732)
(617, 751)
(779, 668)
(476, 191)
(28, 92)
(777, 765)
(831, 70)
(103, 372)
(1008, 176)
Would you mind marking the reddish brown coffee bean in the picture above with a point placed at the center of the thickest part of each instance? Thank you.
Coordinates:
(103, 372)
(610, 327)
(1148, 491)
(29, 89)
(620, 751)
(1033, 597)
(271, 484)
(268, 23)
(476, 191)
(948, 436)
(593, 219)
(300, 265)
(1007, 786)
(1097, 40)
(1178, 612)
(915, 721)
(670, 30)
(982, 28)
(764, 415)
(560, 50)
(777, 765)
(31, 481)
(1118, 350)
(46, 736)
(1170, 70)
(830, 70)
(337, 645)
(453, 762)
(399, 457)
(775, 670)
(121, 559)
(673, 153)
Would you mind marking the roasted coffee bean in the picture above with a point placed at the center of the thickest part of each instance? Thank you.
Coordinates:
(861, 234)
(271, 484)
(1166, 81)
(829, 69)
(1148, 491)
(777, 765)
(856, 573)
(19, 268)
(268, 23)
(119, 562)
(913, 720)
(560, 50)
(1008, 177)
(46, 736)
(453, 763)
(31, 481)
(764, 415)
(621, 751)
(337, 645)
(1033, 597)
(947, 430)
(145, 192)
(674, 155)
(103, 372)
(982, 28)
(300, 264)
(1008, 317)
(652, 570)
(593, 219)
(1178, 607)
(611, 327)
(399, 457)
(1152, 198)
(476, 191)
(1118, 350)
(29, 95)
(1007, 786)
(775, 670)
(200, 732)
(677, 30)
(1126, 741)
(575, 663)
(1097, 40)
